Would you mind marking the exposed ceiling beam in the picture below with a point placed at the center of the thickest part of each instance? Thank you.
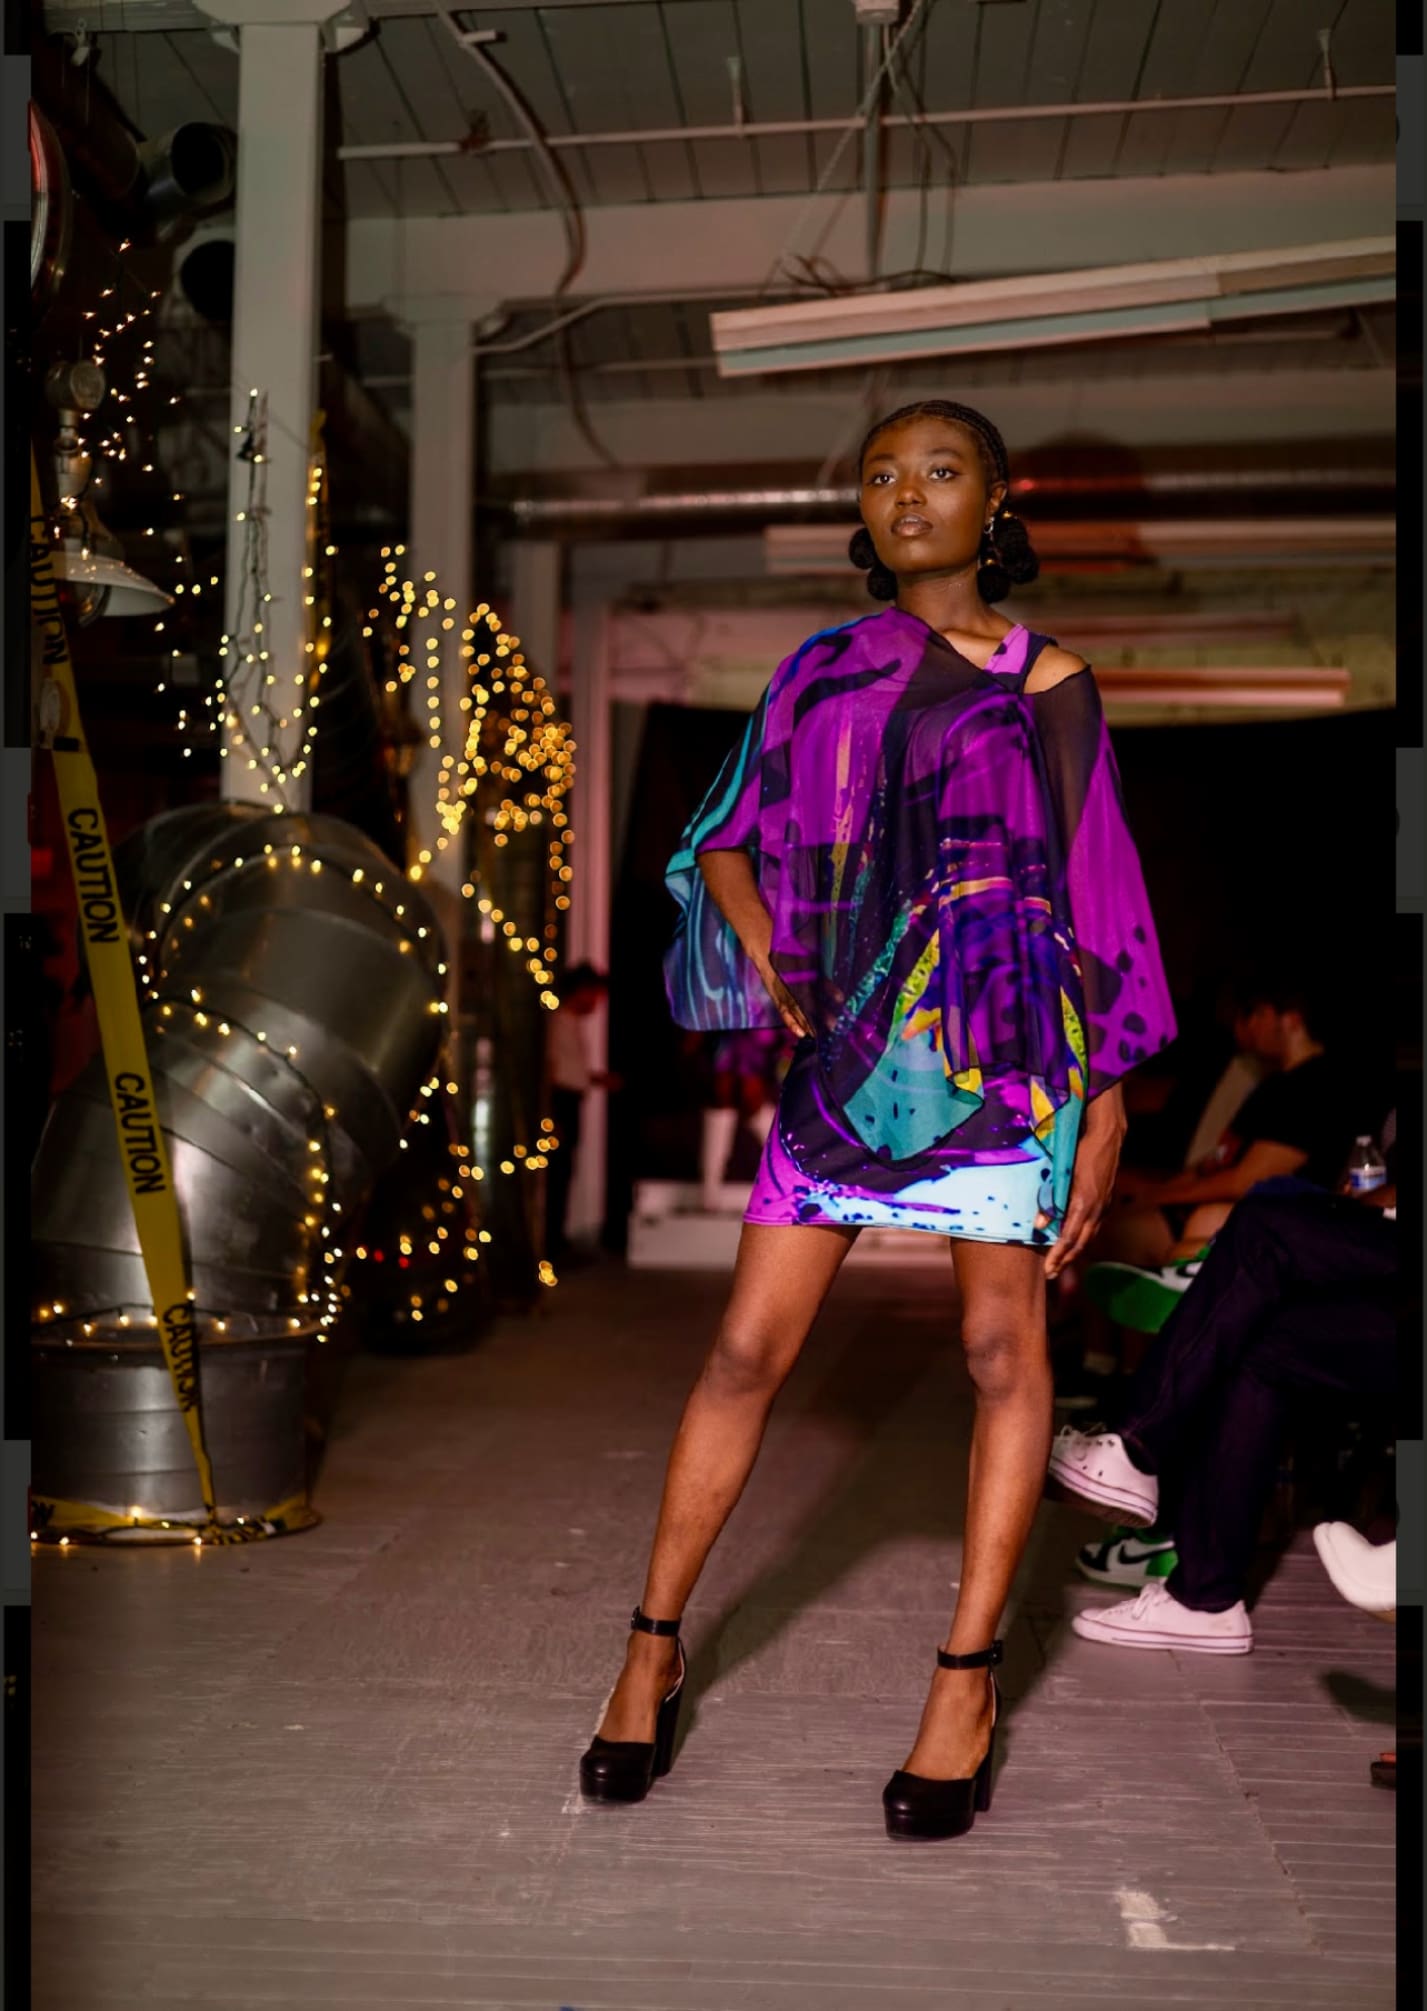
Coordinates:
(770, 427)
(113, 17)
(765, 129)
(109, 17)
(735, 244)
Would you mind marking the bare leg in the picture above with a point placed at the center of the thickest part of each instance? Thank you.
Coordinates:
(1204, 1221)
(781, 1279)
(1003, 1332)
(1132, 1235)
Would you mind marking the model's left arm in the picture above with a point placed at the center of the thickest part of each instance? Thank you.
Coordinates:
(716, 968)
(1127, 1011)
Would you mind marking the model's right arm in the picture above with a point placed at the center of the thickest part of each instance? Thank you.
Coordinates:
(733, 889)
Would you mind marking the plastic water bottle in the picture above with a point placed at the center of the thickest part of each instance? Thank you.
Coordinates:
(1367, 1168)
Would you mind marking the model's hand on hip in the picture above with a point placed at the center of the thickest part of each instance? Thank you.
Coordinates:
(1097, 1161)
(794, 1018)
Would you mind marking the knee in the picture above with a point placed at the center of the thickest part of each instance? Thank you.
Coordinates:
(1005, 1357)
(745, 1362)
(1260, 1225)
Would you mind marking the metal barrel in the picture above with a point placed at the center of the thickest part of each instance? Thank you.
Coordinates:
(293, 989)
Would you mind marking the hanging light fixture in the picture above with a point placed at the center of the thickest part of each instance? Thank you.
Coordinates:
(86, 552)
(1010, 313)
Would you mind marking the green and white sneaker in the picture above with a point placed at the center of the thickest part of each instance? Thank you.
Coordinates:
(1128, 1557)
(1138, 1297)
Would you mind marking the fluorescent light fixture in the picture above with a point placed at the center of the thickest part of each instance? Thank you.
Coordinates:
(108, 584)
(1101, 303)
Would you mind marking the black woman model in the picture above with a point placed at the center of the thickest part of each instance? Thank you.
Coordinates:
(917, 859)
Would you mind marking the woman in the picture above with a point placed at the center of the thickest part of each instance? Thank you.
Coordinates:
(917, 860)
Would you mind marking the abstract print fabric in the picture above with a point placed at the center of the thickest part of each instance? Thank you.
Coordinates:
(958, 909)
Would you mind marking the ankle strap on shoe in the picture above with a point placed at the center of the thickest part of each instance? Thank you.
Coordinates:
(984, 1658)
(648, 1626)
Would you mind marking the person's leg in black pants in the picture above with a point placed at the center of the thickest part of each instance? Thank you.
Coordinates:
(1298, 1292)
(565, 1107)
(1276, 1250)
(1216, 1496)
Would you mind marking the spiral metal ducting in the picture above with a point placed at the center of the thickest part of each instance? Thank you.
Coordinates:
(51, 213)
(295, 981)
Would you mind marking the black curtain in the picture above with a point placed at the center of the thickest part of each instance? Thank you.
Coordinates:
(1265, 844)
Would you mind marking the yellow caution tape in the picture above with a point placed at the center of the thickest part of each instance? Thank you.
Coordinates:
(147, 1170)
(53, 1520)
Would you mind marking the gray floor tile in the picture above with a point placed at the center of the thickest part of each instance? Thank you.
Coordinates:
(339, 1769)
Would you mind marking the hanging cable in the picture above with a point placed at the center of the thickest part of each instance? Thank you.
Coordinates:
(571, 217)
(919, 9)
(556, 179)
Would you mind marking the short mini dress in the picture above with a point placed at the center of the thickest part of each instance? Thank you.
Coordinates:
(958, 909)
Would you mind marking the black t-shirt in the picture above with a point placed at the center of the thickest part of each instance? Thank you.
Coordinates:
(1310, 1109)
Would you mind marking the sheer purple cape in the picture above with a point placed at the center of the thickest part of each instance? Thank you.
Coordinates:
(944, 857)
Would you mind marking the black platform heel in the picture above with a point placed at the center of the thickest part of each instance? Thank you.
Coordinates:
(621, 1770)
(919, 1805)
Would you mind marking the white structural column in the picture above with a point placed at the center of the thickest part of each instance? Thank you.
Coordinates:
(275, 320)
(535, 603)
(443, 497)
(591, 891)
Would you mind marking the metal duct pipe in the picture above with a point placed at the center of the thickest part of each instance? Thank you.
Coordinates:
(541, 513)
(139, 186)
(51, 213)
(194, 167)
(296, 982)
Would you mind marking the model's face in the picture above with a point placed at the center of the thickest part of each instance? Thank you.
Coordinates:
(924, 496)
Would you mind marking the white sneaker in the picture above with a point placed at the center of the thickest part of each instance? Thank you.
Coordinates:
(1365, 1573)
(1128, 1557)
(1156, 1620)
(1095, 1467)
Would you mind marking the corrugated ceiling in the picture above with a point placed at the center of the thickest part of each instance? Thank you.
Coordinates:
(646, 64)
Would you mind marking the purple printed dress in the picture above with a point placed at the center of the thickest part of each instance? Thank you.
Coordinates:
(959, 910)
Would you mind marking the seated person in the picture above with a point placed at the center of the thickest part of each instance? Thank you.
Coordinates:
(1297, 1292)
(1301, 1119)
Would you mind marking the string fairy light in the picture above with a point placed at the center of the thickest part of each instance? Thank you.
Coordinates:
(121, 316)
(256, 703)
(512, 736)
(322, 1292)
(509, 739)
(113, 323)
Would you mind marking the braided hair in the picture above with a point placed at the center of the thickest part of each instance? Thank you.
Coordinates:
(1006, 558)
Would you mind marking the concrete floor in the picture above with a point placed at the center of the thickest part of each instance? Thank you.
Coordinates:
(340, 1768)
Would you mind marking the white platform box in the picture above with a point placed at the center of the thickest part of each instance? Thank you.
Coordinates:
(671, 1230)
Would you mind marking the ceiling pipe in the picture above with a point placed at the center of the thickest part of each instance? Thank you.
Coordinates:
(1345, 320)
(1213, 539)
(572, 512)
(408, 150)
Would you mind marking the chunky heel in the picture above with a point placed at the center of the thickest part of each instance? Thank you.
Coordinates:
(983, 1775)
(917, 1805)
(621, 1770)
(665, 1727)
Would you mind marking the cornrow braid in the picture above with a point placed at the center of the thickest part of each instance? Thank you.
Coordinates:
(1006, 558)
(993, 455)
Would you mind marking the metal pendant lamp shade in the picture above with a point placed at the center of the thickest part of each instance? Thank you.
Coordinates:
(296, 1009)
